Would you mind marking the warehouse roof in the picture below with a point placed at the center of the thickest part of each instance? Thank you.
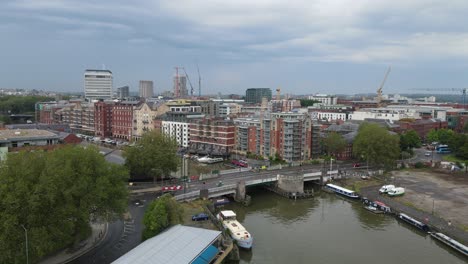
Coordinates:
(178, 244)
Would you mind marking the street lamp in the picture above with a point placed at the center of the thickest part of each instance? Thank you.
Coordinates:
(26, 235)
(331, 164)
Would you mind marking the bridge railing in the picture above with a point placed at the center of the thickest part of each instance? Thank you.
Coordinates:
(187, 196)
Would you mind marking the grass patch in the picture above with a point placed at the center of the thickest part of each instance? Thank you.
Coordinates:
(358, 185)
(452, 158)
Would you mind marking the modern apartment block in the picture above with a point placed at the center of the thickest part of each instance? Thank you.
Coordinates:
(212, 136)
(146, 89)
(227, 109)
(98, 84)
(287, 134)
(255, 95)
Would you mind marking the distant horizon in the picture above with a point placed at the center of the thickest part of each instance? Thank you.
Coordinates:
(301, 46)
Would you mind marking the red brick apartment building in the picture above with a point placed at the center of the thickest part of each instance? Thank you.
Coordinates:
(122, 119)
(103, 118)
(212, 136)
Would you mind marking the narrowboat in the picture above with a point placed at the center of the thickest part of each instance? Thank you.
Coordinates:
(413, 222)
(342, 191)
(450, 242)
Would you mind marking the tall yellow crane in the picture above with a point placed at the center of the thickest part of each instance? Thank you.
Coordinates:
(379, 91)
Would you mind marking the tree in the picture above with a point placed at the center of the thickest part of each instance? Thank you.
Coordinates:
(54, 195)
(375, 144)
(409, 140)
(334, 143)
(155, 154)
(162, 213)
(308, 102)
(443, 136)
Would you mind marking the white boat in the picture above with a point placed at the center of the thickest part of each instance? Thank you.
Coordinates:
(342, 191)
(450, 242)
(236, 230)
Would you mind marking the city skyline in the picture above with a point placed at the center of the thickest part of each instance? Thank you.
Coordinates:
(337, 47)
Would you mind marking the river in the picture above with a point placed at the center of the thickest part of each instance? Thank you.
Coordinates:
(329, 229)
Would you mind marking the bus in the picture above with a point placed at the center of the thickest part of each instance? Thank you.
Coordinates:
(443, 150)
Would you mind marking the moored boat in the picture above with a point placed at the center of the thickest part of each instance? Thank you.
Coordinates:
(236, 230)
(450, 242)
(342, 191)
(413, 222)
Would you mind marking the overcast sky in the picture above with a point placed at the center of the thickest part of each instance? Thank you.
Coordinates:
(302, 46)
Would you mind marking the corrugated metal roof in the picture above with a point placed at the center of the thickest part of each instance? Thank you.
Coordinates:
(177, 245)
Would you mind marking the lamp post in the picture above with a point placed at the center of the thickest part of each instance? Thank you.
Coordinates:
(26, 235)
(331, 164)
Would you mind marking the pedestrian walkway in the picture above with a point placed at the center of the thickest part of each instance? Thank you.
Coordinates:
(98, 230)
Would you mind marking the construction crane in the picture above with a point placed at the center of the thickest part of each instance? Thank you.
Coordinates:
(188, 79)
(199, 82)
(462, 90)
(379, 91)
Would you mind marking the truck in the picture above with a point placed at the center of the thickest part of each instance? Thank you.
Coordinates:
(386, 188)
(397, 191)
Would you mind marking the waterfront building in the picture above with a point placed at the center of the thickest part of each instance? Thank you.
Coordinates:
(98, 84)
(146, 89)
(212, 136)
(255, 95)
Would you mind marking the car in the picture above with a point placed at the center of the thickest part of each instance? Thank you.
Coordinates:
(171, 188)
(356, 165)
(427, 153)
(200, 217)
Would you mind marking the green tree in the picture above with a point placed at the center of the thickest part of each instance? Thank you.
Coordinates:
(308, 102)
(334, 143)
(161, 213)
(54, 195)
(409, 140)
(432, 136)
(375, 144)
(155, 154)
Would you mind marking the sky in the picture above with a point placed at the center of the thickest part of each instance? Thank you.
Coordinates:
(300, 46)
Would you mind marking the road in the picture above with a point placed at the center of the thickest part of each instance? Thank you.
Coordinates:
(122, 235)
(421, 157)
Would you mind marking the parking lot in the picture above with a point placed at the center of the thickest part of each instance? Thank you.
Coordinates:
(444, 194)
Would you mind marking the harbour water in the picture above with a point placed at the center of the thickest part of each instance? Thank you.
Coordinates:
(329, 229)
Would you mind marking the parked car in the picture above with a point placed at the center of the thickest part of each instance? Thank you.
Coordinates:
(356, 165)
(200, 217)
(427, 154)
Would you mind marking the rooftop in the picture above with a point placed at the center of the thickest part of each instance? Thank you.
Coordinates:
(178, 244)
(23, 134)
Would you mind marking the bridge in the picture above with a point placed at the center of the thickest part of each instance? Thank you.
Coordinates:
(259, 179)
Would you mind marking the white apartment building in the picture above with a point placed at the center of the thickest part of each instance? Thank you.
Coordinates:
(380, 113)
(180, 131)
(324, 99)
(323, 115)
(98, 84)
(227, 109)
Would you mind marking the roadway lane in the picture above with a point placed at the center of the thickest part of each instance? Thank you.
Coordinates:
(122, 235)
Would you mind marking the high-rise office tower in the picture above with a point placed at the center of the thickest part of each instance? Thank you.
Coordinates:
(98, 84)
(180, 86)
(146, 89)
(255, 95)
(123, 92)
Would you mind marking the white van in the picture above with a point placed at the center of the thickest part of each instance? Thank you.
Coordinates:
(386, 188)
(397, 191)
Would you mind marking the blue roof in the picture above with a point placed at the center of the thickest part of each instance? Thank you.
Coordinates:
(207, 256)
